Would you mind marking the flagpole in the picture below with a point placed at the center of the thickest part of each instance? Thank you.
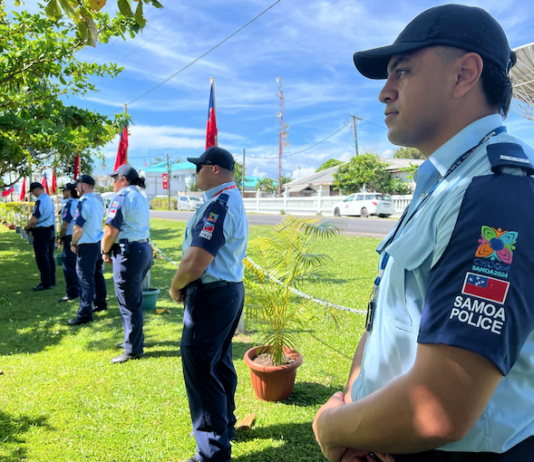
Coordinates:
(216, 137)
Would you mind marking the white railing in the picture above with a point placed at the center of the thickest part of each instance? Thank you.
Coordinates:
(318, 205)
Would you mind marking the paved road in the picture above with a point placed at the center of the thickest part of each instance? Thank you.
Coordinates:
(376, 227)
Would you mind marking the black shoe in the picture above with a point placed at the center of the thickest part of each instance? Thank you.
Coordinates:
(40, 287)
(97, 309)
(66, 298)
(125, 357)
(77, 321)
(121, 345)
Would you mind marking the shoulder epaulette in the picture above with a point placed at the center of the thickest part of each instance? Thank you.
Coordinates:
(508, 155)
(223, 199)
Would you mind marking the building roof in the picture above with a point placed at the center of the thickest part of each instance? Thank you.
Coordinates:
(162, 167)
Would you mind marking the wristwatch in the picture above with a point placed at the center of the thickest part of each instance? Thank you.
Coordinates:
(105, 253)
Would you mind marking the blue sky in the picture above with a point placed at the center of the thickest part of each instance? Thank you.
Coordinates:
(308, 43)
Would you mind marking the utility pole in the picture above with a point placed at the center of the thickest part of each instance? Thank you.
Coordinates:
(169, 181)
(355, 133)
(243, 171)
(280, 137)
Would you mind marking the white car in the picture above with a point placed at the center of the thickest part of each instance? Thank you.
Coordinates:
(189, 203)
(365, 204)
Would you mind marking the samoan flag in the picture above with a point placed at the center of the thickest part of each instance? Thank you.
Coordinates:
(8, 191)
(45, 184)
(211, 128)
(122, 152)
(485, 287)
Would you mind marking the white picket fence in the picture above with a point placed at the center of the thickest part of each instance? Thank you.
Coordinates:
(318, 205)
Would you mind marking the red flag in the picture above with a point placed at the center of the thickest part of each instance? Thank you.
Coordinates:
(23, 191)
(45, 184)
(8, 191)
(122, 153)
(53, 188)
(76, 167)
(211, 128)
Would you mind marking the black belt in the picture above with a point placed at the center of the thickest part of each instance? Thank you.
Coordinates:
(213, 285)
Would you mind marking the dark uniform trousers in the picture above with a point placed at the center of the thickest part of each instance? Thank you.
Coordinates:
(211, 317)
(522, 452)
(43, 246)
(130, 266)
(91, 279)
(69, 268)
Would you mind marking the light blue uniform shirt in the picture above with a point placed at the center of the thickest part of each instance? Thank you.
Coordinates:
(69, 211)
(44, 211)
(401, 313)
(205, 227)
(130, 214)
(89, 215)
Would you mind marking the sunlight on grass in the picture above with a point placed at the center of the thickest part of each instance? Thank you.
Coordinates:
(62, 400)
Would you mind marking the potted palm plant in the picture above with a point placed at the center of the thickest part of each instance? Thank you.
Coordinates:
(276, 267)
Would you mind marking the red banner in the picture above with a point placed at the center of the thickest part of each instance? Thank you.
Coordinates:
(23, 190)
(165, 179)
(122, 153)
(76, 167)
(45, 184)
(211, 127)
(53, 188)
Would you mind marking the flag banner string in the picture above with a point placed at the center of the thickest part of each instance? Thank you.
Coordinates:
(293, 290)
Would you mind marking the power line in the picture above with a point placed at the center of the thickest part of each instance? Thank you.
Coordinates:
(200, 57)
(313, 145)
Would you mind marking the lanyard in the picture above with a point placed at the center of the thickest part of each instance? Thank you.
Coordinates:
(402, 224)
(224, 189)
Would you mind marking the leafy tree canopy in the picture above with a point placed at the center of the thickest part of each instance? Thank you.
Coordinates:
(267, 185)
(328, 164)
(369, 170)
(38, 70)
(408, 153)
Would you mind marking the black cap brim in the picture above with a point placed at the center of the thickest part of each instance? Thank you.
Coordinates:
(194, 160)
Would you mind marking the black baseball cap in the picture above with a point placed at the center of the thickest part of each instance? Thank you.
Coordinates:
(467, 27)
(87, 179)
(36, 185)
(69, 187)
(215, 156)
(126, 171)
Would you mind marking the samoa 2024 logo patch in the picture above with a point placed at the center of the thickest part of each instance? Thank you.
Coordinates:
(495, 252)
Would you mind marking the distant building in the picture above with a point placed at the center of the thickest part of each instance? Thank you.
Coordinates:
(309, 185)
(183, 176)
(250, 185)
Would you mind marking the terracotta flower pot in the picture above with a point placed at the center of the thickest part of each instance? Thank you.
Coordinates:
(11, 226)
(272, 383)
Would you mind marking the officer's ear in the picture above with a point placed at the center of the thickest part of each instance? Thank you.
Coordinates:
(216, 169)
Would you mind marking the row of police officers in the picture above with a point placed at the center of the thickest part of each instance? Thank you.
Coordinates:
(123, 243)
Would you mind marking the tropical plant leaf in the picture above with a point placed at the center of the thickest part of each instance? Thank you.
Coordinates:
(53, 11)
(125, 8)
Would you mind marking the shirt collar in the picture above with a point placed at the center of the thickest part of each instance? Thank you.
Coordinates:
(469, 137)
(210, 193)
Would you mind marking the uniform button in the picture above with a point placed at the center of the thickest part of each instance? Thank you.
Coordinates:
(422, 195)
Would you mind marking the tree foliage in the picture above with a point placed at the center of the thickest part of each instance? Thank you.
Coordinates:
(38, 71)
(267, 185)
(328, 164)
(368, 170)
(408, 153)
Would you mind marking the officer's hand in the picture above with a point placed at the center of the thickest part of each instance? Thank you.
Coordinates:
(359, 455)
(73, 249)
(59, 241)
(107, 259)
(177, 294)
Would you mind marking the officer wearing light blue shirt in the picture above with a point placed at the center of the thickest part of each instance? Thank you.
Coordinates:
(209, 282)
(86, 240)
(65, 237)
(126, 245)
(445, 371)
(41, 225)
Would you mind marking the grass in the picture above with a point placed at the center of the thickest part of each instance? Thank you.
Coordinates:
(62, 400)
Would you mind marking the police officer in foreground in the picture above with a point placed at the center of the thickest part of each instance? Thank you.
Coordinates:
(41, 225)
(445, 370)
(209, 281)
(126, 244)
(86, 244)
(65, 237)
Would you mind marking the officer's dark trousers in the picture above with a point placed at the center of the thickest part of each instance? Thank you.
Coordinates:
(69, 268)
(522, 452)
(91, 279)
(129, 270)
(210, 320)
(43, 246)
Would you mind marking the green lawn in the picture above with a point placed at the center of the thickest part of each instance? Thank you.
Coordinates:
(62, 400)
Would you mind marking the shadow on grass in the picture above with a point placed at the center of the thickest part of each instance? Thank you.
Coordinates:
(307, 394)
(298, 443)
(11, 430)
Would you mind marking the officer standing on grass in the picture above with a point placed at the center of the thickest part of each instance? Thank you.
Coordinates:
(41, 225)
(209, 281)
(86, 244)
(65, 237)
(126, 244)
(445, 371)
